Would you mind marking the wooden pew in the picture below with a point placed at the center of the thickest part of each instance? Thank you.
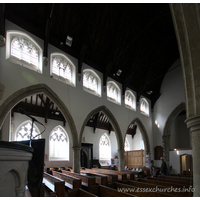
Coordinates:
(86, 181)
(137, 191)
(130, 174)
(152, 185)
(110, 177)
(104, 191)
(177, 180)
(70, 181)
(162, 183)
(54, 184)
(99, 178)
(78, 192)
(188, 181)
(121, 176)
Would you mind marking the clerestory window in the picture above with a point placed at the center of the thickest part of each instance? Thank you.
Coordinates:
(23, 50)
(144, 106)
(59, 144)
(130, 100)
(113, 92)
(62, 69)
(91, 82)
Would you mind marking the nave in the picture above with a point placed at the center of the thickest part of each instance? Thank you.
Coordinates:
(97, 182)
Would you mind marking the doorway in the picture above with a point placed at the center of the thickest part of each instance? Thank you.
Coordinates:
(186, 164)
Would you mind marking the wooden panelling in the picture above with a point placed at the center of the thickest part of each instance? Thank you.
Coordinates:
(134, 158)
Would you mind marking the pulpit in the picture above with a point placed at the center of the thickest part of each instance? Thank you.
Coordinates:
(14, 163)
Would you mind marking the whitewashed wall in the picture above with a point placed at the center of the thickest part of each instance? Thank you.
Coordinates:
(175, 159)
(172, 94)
(80, 103)
(94, 139)
(180, 135)
(18, 119)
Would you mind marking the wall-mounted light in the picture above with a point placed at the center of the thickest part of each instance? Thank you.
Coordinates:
(156, 122)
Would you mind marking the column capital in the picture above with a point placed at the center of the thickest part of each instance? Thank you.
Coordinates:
(120, 150)
(76, 148)
(193, 123)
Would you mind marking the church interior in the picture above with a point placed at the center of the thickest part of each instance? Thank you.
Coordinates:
(94, 95)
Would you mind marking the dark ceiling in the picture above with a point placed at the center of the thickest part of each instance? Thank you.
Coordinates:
(137, 38)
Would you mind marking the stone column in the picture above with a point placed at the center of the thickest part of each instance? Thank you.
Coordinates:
(166, 148)
(91, 165)
(194, 126)
(121, 159)
(76, 159)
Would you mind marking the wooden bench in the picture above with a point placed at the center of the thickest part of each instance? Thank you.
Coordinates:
(121, 176)
(54, 184)
(162, 188)
(104, 191)
(162, 183)
(70, 181)
(86, 181)
(188, 181)
(110, 177)
(177, 180)
(78, 192)
(137, 191)
(99, 178)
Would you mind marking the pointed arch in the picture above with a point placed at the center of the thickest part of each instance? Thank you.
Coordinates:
(181, 107)
(144, 134)
(167, 128)
(116, 128)
(16, 97)
(112, 120)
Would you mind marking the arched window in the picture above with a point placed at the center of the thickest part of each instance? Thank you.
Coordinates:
(144, 107)
(91, 82)
(126, 145)
(113, 92)
(130, 100)
(23, 50)
(62, 69)
(58, 144)
(104, 148)
(23, 132)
